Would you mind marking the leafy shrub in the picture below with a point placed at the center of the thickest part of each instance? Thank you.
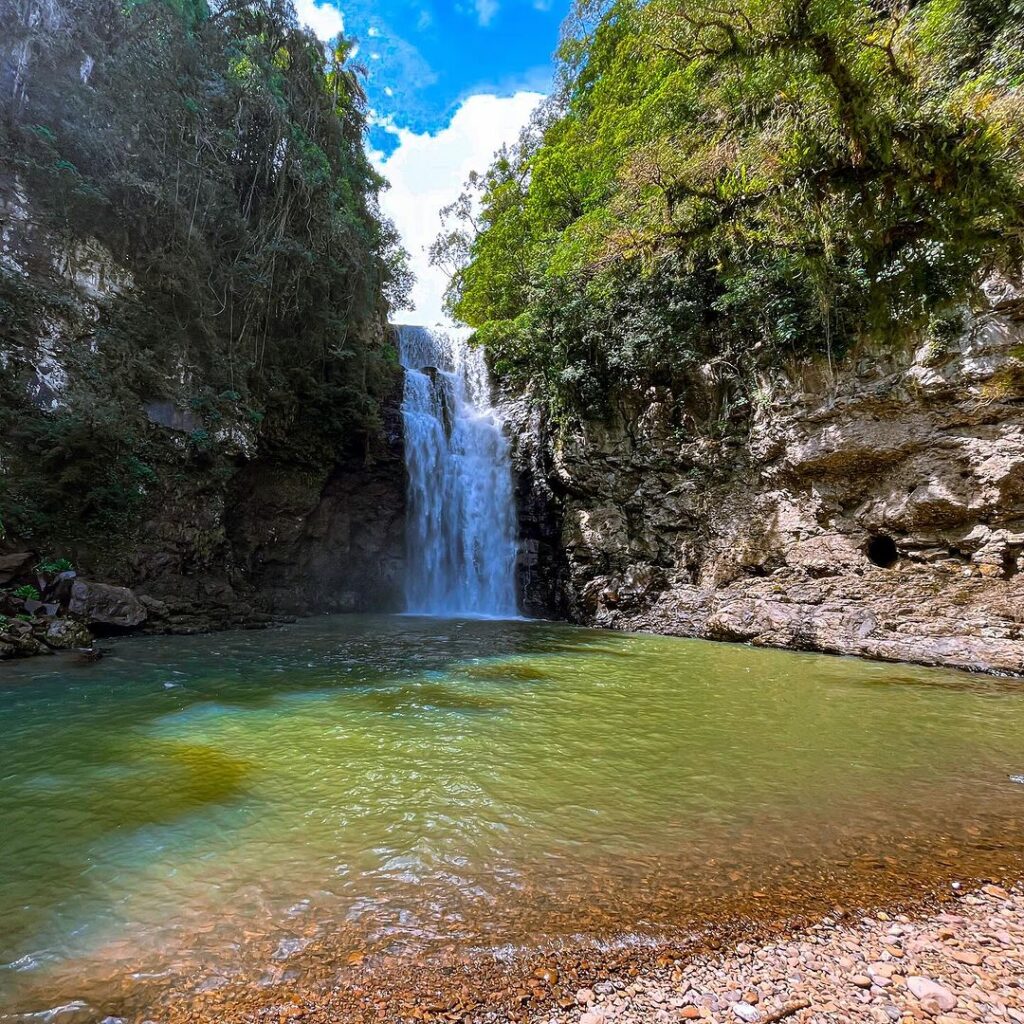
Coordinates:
(52, 566)
(27, 592)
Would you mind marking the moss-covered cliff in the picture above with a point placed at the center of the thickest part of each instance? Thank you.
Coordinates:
(195, 365)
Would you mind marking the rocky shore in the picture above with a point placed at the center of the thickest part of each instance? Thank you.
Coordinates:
(47, 607)
(960, 960)
(963, 963)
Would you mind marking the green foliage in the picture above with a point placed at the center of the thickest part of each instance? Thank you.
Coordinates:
(75, 468)
(722, 186)
(52, 566)
(216, 165)
(27, 592)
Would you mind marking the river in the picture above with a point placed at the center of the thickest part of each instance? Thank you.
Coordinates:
(194, 810)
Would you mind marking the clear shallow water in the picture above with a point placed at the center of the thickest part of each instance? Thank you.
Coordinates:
(222, 806)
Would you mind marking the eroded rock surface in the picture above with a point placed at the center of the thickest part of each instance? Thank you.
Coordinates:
(881, 514)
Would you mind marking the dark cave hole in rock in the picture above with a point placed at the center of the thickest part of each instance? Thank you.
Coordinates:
(881, 551)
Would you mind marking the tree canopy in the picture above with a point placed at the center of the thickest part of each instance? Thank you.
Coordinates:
(738, 180)
(215, 153)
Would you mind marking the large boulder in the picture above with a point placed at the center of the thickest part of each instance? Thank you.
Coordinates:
(15, 565)
(100, 604)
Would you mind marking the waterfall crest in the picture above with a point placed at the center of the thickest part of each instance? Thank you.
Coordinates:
(461, 525)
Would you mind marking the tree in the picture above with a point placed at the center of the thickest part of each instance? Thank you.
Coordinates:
(796, 173)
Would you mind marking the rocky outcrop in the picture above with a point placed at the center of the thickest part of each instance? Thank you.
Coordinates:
(105, 607)
(878, 513)
(542, 567)
(49, 610)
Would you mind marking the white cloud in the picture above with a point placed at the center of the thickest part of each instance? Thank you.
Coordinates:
(373, 31)
(323, 20)
(427, 171)
(485, 10)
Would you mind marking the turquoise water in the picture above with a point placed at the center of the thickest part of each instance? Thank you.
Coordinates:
(207, 807)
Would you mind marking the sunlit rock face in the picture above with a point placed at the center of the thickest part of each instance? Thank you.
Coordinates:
(878, 513)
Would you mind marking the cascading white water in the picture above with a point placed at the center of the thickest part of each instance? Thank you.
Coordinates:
(461, 524)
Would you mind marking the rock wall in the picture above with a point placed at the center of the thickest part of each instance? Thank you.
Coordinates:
(542, 565)
(266, 542)
(878, 511)
(334, 545)
(208, 525)
(274, 540)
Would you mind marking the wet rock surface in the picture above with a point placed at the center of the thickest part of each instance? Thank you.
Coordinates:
(877, 513)
(105, 606)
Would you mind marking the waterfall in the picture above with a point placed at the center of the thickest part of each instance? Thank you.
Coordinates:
(461, 525)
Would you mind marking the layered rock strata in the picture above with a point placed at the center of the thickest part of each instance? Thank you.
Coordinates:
(876, 511)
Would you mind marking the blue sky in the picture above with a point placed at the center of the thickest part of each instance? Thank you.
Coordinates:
(448, 83)
(423, 56)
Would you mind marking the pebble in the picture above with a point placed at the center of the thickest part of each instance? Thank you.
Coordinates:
(966, 956)
(927, 990)
(960, 965)
(746, 1012)
(879, 970)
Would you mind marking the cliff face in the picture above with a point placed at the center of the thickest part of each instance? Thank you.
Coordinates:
(880, 515)
(271, 539)
(167, 486)
(198, 387)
